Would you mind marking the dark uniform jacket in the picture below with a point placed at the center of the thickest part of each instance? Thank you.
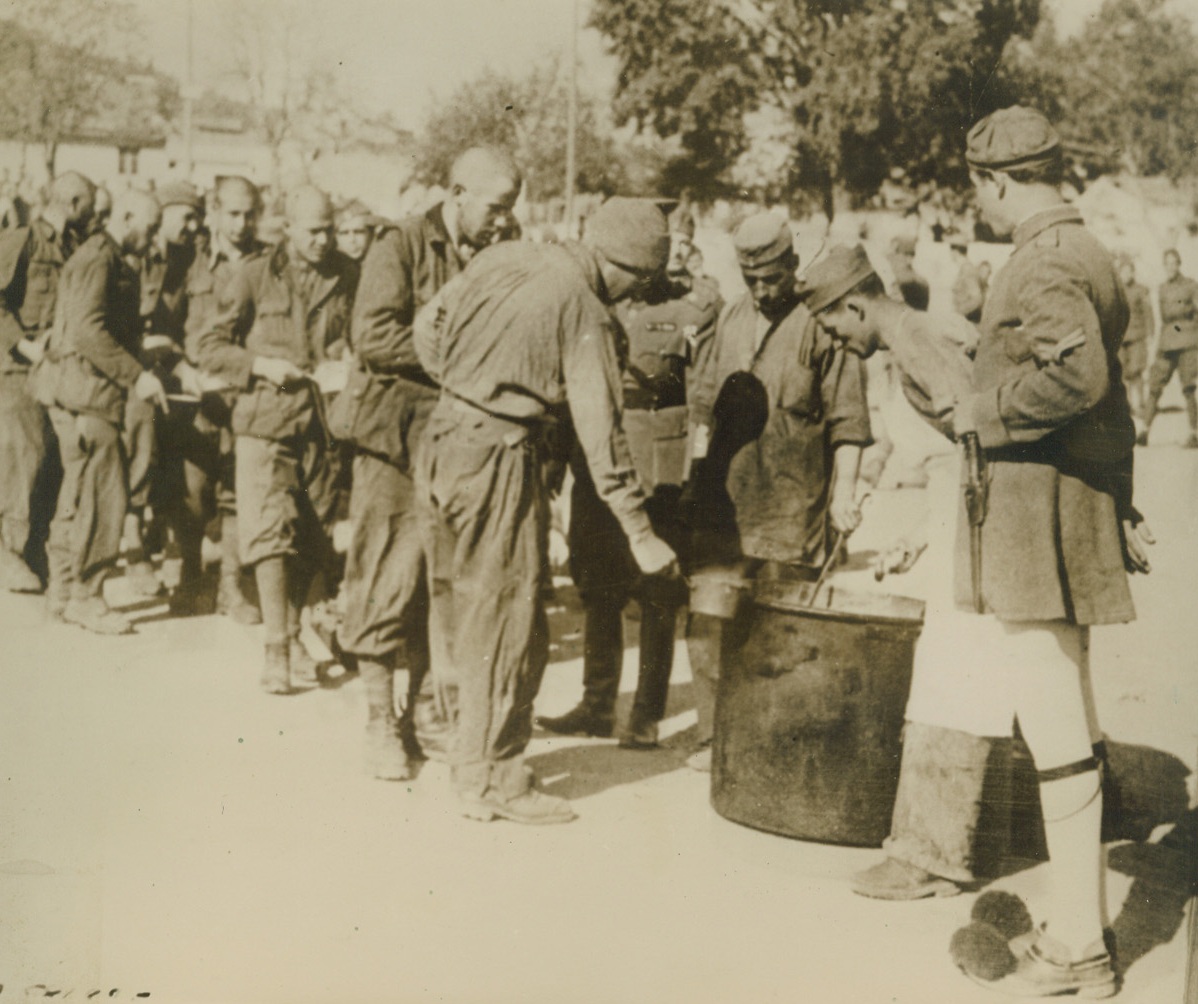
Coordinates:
(1133, 354)
(388, 390)
(1179, 314)
(92, 356)
(523, 333)
(31, 261)
(283, 310)
(809, 398)
(207, 280)
(667, 336)
(1052, 416)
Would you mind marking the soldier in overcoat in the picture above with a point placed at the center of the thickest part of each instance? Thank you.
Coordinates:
(1050, 412)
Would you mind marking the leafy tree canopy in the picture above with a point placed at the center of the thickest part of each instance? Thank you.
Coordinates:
(525, 115)
(859, 90)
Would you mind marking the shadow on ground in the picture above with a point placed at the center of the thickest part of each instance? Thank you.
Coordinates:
(1164, 877)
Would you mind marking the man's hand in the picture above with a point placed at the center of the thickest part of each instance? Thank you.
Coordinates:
(149, 388)
(653, 555)
(189, 379)
(30, 349)
(332, 375)
(280, 372)
(845, 514)
(896, 560)
(1137, 538)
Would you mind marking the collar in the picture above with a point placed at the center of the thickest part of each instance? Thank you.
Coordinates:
(1037, 223)
(587, 261)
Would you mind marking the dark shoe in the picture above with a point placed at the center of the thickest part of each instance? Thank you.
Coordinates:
(386, 757)
(15, 575)
(276, 669)
(639, 736)
(142, 580)
(897, 880)
(1142, 438)
(581, 721)
(1043, 968)
(1192, 442)
(184, 601)
(304, 670)
(95, 615)
(231, 602)
(532, 807)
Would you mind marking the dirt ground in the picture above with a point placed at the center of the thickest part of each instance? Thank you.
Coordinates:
(168, 830)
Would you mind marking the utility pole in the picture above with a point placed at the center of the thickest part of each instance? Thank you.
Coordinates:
(572, 120)
(189, 95)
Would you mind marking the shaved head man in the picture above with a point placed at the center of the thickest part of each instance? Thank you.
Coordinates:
(74, 197)
(31, 261)
(281, 316)
(233, 218)
(94, 366)
(309, 225)
(136, 217)
(484, 184)
(387, 578)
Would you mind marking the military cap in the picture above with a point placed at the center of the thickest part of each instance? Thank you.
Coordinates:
(631, 233)
(180, 193)
(839, 271)
(1012, 137)
(761, 240)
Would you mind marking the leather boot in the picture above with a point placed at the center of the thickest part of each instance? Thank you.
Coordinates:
(231, 601)
(185, 600)
(653, 681)
(602, 661)
(385, 757)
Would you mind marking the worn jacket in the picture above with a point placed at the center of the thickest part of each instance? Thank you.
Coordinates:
(1179, 314)
(31, 262)
(1051, 414)
(207, 280)
(524, 333)
(667, 335)
(92, 356)
(388, 393)
(276, 308)
(799, 399)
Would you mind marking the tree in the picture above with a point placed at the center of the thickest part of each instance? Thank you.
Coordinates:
(1124, 92)
(59, 66)
(525, 115)
(855, 90)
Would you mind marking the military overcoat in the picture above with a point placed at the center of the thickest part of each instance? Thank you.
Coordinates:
(1051, 413)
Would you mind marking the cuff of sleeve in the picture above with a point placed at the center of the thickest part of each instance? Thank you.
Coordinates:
(128, 372)
(636, 525)
(990, 428)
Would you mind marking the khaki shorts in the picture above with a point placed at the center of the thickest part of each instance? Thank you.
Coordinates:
(281, 497)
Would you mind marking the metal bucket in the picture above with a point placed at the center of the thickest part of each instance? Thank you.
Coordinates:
(810, 712)
(718, 592)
